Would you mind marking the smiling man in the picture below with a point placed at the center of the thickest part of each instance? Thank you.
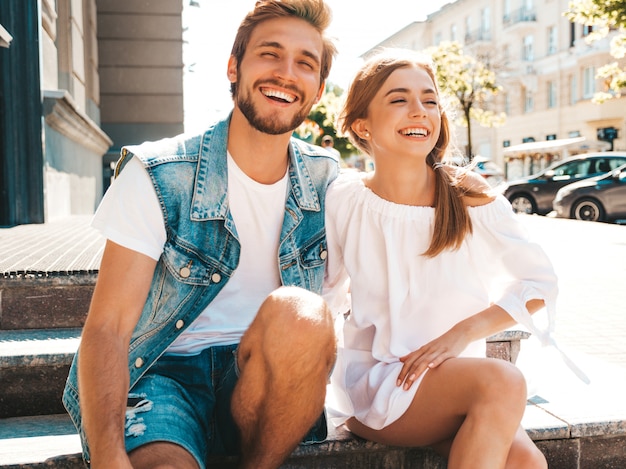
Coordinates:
(206, 333)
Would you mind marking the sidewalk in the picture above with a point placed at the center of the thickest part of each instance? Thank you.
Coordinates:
(57, 248)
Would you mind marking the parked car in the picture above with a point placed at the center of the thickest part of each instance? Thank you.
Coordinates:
(602, 198)
(483, 166)
(488, 169)
(535, 193)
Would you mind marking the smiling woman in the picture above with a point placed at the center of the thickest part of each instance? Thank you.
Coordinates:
(411, 368)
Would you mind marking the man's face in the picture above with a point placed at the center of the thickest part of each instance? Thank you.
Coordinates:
(278, 79)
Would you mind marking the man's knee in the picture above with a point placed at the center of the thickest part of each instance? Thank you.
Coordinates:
(292, 322)
(294, 312)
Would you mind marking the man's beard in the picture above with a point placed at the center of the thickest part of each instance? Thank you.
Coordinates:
(268, 125)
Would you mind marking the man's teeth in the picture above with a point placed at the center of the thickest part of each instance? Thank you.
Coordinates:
(280, 95)
(415, 132)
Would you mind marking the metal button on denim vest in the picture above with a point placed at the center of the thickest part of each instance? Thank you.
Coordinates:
(202, 249)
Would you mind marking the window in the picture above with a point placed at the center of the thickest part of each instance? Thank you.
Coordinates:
(589, 82)
(573, 90)
(551, 95)
(527, 53)
(437, 39)
(573, 169)
(529, 103)
(552, 40)
(453, 32)
(468, 28)
(506, 54)
(587, 30)
(506, 10)
(485, 21)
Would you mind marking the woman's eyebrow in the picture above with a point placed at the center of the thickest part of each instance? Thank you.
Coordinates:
(406, 90)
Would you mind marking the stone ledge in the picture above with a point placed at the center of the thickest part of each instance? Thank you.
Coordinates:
(51, 441)
(38, 347)
(63, 115)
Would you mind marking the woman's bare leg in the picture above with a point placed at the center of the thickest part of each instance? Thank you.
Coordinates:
(476, 403)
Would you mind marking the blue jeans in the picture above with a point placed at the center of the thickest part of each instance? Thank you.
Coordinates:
(186, 400)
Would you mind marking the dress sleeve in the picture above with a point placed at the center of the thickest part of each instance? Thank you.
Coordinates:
(130, 214)
(336, 280)
(525, 272)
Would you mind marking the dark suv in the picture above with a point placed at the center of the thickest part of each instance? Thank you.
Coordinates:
(535, 193)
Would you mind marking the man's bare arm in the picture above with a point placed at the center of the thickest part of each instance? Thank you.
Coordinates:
(119, 296)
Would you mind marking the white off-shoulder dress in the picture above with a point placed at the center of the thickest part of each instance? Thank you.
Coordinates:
(401, 300)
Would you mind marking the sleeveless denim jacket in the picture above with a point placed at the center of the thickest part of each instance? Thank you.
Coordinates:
(201, 251)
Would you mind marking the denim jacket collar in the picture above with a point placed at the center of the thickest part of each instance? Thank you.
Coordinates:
(209, 197)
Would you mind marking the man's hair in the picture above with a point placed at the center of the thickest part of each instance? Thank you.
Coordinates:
(314, 12)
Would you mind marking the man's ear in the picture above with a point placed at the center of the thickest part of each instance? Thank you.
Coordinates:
(320, 92)
(231, 71)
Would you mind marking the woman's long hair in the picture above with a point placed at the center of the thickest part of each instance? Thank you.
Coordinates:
(452, 220)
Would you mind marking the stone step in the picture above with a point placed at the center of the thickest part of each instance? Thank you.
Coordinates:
(41, 302)
(47, 441)
(34, 365)
(51, 442)
(47, 273)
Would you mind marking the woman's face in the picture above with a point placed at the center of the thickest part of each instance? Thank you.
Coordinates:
(404, 117)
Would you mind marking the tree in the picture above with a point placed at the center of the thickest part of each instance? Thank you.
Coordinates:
(604, 16)
(470, 84)
(322, 120)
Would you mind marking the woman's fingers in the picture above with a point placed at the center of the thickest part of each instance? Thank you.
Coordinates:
(416, 363)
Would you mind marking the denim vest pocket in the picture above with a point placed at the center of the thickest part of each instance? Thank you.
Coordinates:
(312, 261)
(185, 265)
(179, 276)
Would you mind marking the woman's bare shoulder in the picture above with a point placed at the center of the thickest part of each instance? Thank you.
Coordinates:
(478, 191)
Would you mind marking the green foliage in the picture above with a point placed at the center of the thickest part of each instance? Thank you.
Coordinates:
(469, 84)
(604, 16)
(322, 120)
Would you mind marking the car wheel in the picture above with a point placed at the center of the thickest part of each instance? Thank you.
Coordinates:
(588, 210)
(523, 204)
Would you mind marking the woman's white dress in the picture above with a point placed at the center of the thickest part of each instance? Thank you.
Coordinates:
(401, 300)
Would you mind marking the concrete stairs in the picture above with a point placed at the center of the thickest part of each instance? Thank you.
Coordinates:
(42, 310)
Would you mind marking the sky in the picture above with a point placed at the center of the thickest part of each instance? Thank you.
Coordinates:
(357, 26)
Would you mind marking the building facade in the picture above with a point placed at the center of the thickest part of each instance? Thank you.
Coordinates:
(547, 71)
(79, 79)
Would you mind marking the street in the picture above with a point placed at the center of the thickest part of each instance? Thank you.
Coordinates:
(590, 260)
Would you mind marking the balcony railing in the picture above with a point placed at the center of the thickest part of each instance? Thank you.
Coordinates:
(522, 15)
(478, 35)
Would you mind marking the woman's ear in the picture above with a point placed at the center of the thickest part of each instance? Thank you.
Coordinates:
(359, 127)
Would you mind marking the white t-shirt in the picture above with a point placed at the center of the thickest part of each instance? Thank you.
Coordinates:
(257, 210)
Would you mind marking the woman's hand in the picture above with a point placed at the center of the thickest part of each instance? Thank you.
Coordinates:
(431, 355)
